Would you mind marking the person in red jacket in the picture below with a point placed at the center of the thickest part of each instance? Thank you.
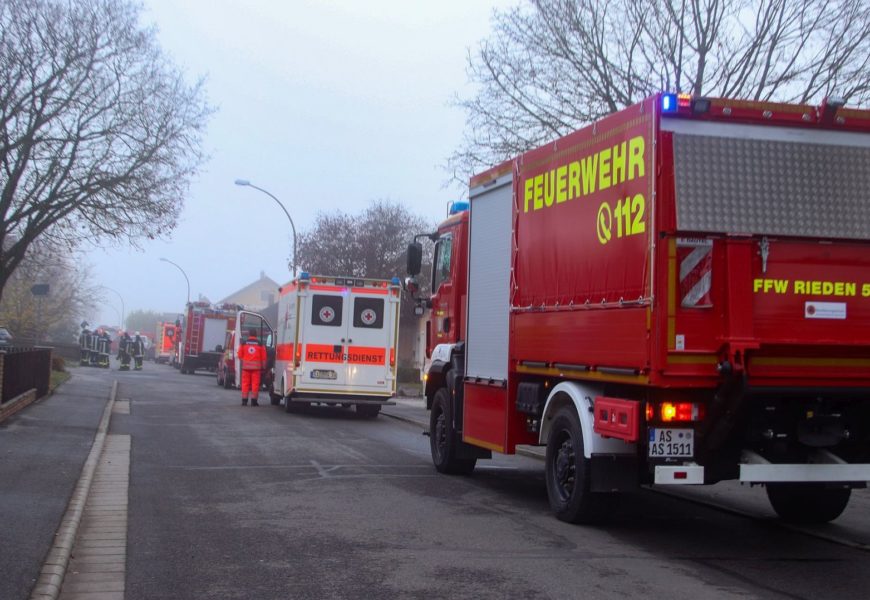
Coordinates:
(252, 356)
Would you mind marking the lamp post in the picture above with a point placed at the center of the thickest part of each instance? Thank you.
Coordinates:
(183, 273)
(121, 298)
(246, 183)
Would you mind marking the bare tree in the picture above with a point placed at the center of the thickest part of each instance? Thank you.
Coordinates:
(551, 66)
(99, 133)
(71, 296)
(371, 244)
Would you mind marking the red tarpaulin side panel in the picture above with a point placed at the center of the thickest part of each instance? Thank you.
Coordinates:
(583, 215)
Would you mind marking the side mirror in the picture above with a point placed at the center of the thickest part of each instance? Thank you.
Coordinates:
(415, 258)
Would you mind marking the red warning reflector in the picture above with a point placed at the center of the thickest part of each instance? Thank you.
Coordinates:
(681, 475)
(617, 418)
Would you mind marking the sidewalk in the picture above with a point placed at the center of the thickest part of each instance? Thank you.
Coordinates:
(42, 451)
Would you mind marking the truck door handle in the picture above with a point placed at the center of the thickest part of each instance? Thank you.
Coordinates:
(349, 341)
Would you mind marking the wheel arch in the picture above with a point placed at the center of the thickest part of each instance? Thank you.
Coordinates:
(581, 397)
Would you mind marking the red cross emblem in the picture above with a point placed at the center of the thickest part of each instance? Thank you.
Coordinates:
(326, 314)
(368, 316)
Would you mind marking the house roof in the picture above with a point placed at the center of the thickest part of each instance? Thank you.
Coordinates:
(264, 282)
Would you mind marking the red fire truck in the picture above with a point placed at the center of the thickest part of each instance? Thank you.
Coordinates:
(205, 327)
(677, 294)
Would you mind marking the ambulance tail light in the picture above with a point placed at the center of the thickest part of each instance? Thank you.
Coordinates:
(681, 411)
(392, 357)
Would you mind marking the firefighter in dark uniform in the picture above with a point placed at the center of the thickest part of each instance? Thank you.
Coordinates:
(138, 352)
(125, 346)
(84, 344)
(104, 343)
(252, 356)
(94, 348)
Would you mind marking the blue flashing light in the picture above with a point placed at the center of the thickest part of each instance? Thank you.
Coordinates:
(304, 275)
(458, 207)
(669, 103)
(395, 281)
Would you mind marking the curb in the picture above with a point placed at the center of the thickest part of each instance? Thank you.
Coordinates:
(528, 452)
(410, 420)
(51, 575)
(18, 403)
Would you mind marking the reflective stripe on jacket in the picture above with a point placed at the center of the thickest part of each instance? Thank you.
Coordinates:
(252, 356)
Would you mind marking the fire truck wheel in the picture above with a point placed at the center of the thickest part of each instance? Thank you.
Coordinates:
(368, 411)
(220, 380)
(807, 503)
(228, 381)
(442, 438)
(568, 473)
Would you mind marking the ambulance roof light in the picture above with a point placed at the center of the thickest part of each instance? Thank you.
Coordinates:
(458, 207)
(304, 275)
(395, 281)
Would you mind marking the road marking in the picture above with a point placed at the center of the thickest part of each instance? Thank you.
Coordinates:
(122, 407)
(99, 557)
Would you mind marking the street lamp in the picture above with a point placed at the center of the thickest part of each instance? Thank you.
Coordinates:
(183, 273)
(121, 298)
(246, 183)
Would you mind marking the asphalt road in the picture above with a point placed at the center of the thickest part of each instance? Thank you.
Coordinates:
(233, 502)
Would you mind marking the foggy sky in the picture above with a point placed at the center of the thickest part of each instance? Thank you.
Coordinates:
(326, 104)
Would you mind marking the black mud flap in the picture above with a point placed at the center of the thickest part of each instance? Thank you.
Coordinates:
(614, 473)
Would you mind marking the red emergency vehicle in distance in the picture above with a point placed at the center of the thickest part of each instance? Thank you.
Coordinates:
(205, 327)
(677, 294)
(166, 342)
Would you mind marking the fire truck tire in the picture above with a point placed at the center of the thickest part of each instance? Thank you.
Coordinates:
(442, 438)
(228, 382)
(807, 503)
(368, 411)
(568, 473)
(220, 380)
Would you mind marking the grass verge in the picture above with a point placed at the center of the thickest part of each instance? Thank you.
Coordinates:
(57, 378)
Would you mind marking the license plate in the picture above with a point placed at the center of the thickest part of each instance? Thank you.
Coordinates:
(323, 374)
(671, 443)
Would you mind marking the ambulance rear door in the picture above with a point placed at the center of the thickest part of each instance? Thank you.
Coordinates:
(371, 337)
(245, 323)
(323, 337)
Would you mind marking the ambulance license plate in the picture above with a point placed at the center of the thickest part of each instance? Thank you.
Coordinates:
(323, 374)
(671, 443)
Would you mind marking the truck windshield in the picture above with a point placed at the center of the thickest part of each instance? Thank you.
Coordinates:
(441, 265)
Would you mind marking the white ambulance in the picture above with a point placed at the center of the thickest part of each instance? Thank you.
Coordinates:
(337, 342)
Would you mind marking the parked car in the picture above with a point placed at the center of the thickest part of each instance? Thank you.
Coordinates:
(5, 337)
